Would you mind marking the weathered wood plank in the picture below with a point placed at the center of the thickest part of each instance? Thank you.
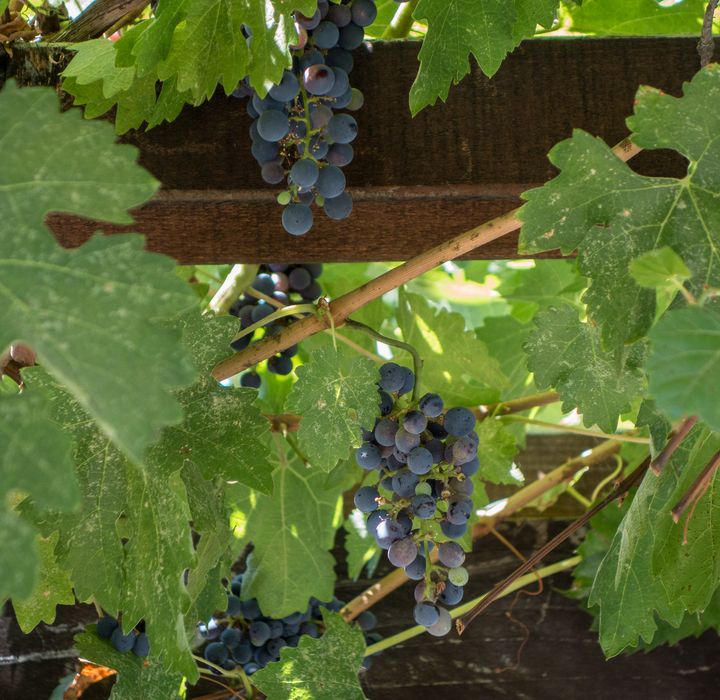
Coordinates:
(415, 181)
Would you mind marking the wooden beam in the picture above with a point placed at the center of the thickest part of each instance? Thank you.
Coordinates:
(415, 182)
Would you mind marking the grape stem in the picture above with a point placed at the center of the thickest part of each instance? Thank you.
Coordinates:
(402, 21)
(349, 303)
(526, 580)
(658, 464)
(294, 446)
(621, 437)
(417, 360)
(516, 405)
(342, 338)
(485, 525)
(237, 673)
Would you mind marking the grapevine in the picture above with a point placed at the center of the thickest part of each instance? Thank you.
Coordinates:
(140, 458)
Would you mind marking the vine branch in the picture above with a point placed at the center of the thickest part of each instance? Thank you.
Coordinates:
(514, 503)
(349, 303)
(623, 487)
(697, 488)
(97, 18)
(706, 45)
(504, 408)
(658, 464)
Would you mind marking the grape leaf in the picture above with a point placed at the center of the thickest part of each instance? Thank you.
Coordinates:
(52, 588)
(94, 307)
(336, 394)
(647, 569)
(35, 459)
(138, 679)
(130, 543)
(456, 364)
(487, 29)
(360, 546)
(318, 669)
(199, 43)
(211, 523)
(223, 432)
(658, 426)
(505, 337)
(612, 215)
(637, 18)
(684, 364)
(547, 283)
(659, 267)
(496, 451)
(292, 532)
(567, 355)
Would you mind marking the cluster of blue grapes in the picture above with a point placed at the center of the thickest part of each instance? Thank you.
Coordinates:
(287, 284)
(425, 458)
(245, 637)
(298, 134)
(136, 641)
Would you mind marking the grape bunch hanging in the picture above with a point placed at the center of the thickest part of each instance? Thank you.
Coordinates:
(136, 640)
(425, 457)
(286, 284)
(244, 637)
(299, 133)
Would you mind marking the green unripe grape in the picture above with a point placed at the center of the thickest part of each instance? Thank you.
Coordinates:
(459, 575)
(423, 489)
(284, 198)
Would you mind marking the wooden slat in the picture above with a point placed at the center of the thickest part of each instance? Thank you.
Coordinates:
(415, 181)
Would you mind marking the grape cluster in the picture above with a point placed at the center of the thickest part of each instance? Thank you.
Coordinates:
(245, 637)
(425, 457)
(299, 134)
(136, 641)
(287, 284)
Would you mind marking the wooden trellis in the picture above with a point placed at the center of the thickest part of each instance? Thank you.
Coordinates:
(415, 182)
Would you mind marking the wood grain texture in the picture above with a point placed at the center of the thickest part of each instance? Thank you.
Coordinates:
(561, 659)
(416, 182)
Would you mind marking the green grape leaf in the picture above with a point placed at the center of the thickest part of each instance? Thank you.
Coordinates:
(102, 74)
(612, 215)
(292, 532)
(94, 307)
(567, 355)
(456, 364)
(224, 432)
(496, 450)
(100, 179)
(505, 337)
(487, 29)
(138, 679)
(198, 43)
(35, 459)
(684, 364)
(52, 588)
(360, 546)
(130, 543)
(637, 18)
(318, 669)
(158, 553)
(647, 568)
(692, 625)
(336, 394)
(658, 426)
(659, 267)
(547, 283)
(211, 523)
